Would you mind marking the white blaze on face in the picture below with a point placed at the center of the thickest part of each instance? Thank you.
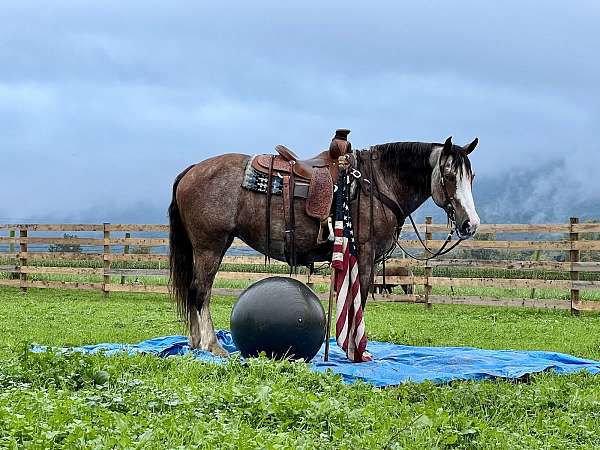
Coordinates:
(464, 196)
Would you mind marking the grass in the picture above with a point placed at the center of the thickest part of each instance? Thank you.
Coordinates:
(49, 400)
(491, 292)
(456, 272)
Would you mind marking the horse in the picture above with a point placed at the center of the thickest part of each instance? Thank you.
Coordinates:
(210, 208)
(393, 271)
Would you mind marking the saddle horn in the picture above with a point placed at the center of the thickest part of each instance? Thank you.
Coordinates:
(340, 145)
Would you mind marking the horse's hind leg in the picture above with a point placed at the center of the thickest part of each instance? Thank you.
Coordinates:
(202, 331)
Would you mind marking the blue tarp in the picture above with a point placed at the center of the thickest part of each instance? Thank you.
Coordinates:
(392, 364)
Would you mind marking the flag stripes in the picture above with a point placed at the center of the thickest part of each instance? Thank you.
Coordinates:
(350, 325)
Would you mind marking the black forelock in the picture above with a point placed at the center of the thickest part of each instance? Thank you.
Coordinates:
(460, 160)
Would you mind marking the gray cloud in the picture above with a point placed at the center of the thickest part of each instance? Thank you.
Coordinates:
(102, 105)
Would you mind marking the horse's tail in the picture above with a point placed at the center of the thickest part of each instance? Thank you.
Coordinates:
(181, 257)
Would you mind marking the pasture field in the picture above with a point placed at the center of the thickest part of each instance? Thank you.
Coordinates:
(65, 401)
(453, 272)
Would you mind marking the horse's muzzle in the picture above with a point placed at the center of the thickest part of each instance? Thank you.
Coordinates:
(467, 229)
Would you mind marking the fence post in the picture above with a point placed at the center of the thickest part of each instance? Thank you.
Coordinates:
(106, 260)
(11, 249)
(23, 257)
(574, 258)
(428, 269)
(126, 252)
(11, 246)
(536, 258)
(309, 283)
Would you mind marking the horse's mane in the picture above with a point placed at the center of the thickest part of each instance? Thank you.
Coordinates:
(403, 156)
(413, 157)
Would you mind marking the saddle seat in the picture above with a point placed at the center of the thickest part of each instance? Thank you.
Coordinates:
(304, 169)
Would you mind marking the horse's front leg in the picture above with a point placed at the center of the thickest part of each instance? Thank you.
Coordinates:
(365, 271)
(194, 325)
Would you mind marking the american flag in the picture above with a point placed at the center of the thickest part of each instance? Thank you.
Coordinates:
(350, 324)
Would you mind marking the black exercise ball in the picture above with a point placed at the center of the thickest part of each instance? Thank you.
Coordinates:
(279, 316)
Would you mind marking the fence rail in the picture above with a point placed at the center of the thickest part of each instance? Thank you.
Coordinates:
(100, 252)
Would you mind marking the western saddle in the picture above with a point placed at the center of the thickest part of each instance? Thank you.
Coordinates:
(287, 161)
(312, 179)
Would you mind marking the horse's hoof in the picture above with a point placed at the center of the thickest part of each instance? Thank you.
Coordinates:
(217, 350)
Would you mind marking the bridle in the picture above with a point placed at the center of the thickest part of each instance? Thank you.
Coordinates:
(448, 206)
(369, 186)
(451, 215)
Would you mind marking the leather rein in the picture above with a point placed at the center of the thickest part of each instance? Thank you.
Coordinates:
(369, 187)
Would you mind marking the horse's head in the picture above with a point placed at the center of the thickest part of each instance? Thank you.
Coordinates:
(451, 184)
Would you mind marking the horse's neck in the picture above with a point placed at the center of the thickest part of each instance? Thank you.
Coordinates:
(411, 195)
(410, 188)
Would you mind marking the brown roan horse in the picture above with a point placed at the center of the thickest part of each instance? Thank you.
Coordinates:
(210, 208)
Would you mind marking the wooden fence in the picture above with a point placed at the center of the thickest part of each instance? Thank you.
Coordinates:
(106, 250)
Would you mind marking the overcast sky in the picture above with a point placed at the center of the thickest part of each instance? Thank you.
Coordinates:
(103, 103)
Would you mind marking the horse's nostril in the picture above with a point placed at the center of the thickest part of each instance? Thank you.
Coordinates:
(465, 227)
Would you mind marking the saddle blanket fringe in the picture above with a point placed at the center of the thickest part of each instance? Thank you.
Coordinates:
(257, 181)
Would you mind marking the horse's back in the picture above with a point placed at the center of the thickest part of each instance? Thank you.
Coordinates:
(214, 205)
(208, 194)
(217, 169)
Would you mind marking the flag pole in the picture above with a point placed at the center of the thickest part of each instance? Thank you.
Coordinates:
(342, 164)
(329, 312)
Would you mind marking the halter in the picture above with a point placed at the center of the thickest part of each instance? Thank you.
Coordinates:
(399, 212)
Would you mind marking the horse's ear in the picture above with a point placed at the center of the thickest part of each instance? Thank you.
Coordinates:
(469, 148)
(447, 146)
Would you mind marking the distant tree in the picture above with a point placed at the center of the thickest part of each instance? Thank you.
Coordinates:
(591, 236)
(66, 248)
(140, 250)
(483, 253)
(590, 255)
